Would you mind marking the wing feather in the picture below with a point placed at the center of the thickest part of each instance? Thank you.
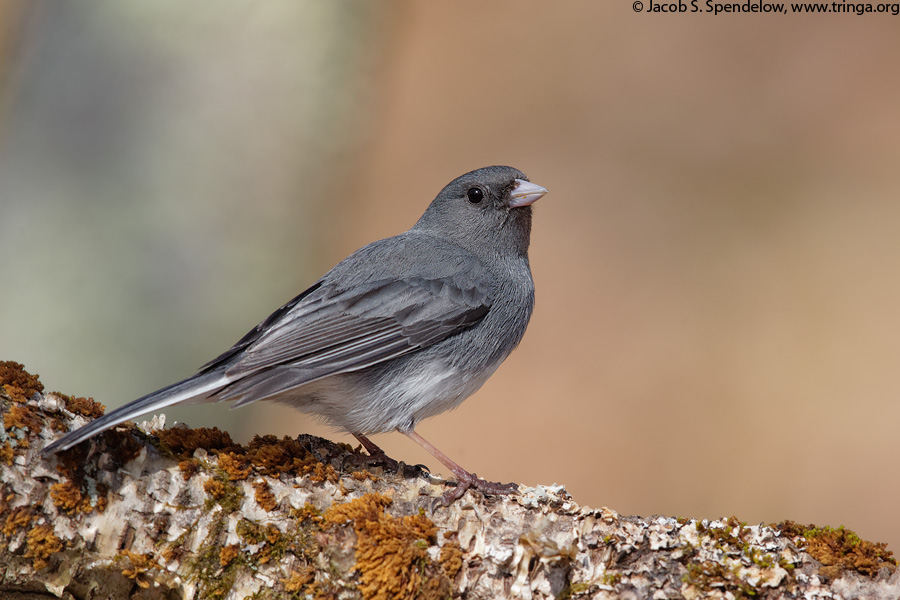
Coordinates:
(330, 331)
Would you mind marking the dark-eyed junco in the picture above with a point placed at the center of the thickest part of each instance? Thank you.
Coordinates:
(401, 330)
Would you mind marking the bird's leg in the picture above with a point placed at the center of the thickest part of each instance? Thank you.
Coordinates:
(466, 480)
(377, 454)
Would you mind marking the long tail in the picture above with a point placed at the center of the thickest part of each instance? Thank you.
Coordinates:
(193, 387)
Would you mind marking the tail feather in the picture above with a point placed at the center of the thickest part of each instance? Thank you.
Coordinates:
(198, 386)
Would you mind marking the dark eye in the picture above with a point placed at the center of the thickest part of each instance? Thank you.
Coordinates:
(475, 195)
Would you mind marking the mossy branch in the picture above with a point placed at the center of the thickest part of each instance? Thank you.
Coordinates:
(188, 513)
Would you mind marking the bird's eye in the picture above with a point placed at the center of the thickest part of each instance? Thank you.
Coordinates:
(475, 195)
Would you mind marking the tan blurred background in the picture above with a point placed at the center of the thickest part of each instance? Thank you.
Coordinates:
(716, 265)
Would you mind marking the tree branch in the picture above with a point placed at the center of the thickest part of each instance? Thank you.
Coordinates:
(184, 513)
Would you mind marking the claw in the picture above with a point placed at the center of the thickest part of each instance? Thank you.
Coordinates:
(378, 458)
(472, 481)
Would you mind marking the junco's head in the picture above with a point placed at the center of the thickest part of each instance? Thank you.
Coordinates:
(488, 210)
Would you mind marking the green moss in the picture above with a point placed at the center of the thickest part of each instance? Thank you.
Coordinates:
(223, 491)
(308, 512)
(613, 578)
(708, 575)
(214, 580)
(839, 549)
(727, 573)
(250, 532)
(724, 538)
(759, 558)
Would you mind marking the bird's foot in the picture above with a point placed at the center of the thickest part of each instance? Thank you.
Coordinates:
(469, 481)
(465, 480)
(389, 464)
(374, 459)
(378, 458)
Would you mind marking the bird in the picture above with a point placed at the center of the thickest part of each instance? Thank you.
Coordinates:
(403, 329)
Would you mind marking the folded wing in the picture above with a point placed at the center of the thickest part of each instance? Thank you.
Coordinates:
(330, 331)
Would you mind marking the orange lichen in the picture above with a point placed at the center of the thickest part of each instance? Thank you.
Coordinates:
(171, 553)
(307, 512)
(271, 456)
(391, 553)
(302, 584)
(264, 496)
(224, 492)
(140, 565)
(189, 468)
(214, 488)
(7, 454)
(67, 497)
(322, 473)
(840, 549)
(17, 383)
(298, 581)
(22, 417)
(16, 520)
(365, 507)
(266, 455)
(451, 558)
(182, 441)
(236, 467)
(271, 541)
(273, 534)
(274, 547)
(102, 497)
(86, 407)
(40, 545)
(228, 554)
(363, 475)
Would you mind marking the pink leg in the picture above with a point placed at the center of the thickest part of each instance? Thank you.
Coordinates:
(466, 480)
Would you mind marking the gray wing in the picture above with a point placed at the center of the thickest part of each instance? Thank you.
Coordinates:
(326, 331)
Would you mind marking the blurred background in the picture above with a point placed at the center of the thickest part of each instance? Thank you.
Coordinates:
(716, 264)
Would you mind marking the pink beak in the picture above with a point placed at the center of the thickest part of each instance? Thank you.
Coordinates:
(525, 193)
